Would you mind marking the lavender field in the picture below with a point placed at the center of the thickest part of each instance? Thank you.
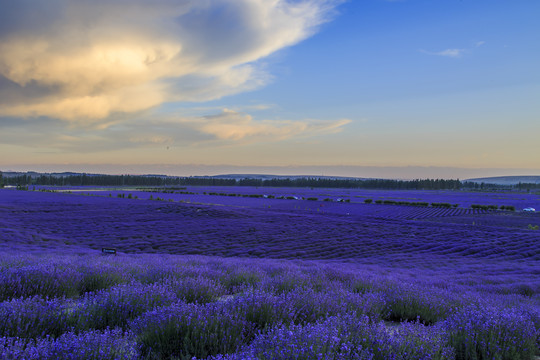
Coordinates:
(273, 273)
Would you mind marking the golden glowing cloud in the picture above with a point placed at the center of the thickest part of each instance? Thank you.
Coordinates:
(96, 58)
(231, 125)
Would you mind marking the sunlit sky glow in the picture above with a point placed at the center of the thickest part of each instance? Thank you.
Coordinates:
(367, 88)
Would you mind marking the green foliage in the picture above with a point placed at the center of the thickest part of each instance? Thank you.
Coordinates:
(198, 290)
(442, 205)
(488, 333)
(47, 281)
(531, 227)
(137, 180)
(94, 279)
(479, 207)
(236, 280)
(368, 201)
(186, 331)
(410, 303)
(32, 318)
(116, 306)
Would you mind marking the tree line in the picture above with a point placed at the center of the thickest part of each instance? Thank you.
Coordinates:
(314, 182)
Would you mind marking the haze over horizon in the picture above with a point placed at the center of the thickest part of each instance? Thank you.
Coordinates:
(401, 173)
(374, 88)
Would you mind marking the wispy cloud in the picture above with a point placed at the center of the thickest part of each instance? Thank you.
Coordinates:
(453, 53)
(225, 128)
(84, 61)
(230, 125)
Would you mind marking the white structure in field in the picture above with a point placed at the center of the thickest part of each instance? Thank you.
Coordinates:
(529, 209)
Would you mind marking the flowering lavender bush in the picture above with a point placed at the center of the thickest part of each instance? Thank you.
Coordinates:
(348, 337)
(236, 280)
(116, 306)
(286, 282)
(188, 330)
(409, 302)
(45, 280)
(324, 340)
(261, 310)
(101, 277)
(92, 345)
(33, 317)
(492, 333)
(196, 290)
(310, 306)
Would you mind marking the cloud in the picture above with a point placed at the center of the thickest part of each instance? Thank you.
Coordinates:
(83, 61)
(230, 125)
(453, 53)
(150, 130)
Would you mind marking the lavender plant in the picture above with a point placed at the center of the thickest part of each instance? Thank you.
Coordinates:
(99, 277)
(486, 332)
(261, 310)
(346, 337)
(410, 303)
(184, 331)
(92, 345)
(32, 318)
(196, 290)
(46, 280)
(116, 306)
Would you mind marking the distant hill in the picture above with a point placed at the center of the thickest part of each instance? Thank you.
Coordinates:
(496, 180)
(269, 177)
(35, 174)
(508, 180)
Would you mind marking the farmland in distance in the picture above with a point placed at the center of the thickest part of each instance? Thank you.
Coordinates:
(338, 225)
(408, 256)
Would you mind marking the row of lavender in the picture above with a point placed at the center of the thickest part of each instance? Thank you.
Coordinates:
(240, 195)
(163, 306)
(41, 221)
(50, 220)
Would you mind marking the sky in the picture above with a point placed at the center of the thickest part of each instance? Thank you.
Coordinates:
(366, 88)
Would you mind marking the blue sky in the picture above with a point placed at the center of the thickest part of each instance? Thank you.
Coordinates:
(359, 88)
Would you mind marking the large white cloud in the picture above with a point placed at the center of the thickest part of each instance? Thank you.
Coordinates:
(83, 61)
